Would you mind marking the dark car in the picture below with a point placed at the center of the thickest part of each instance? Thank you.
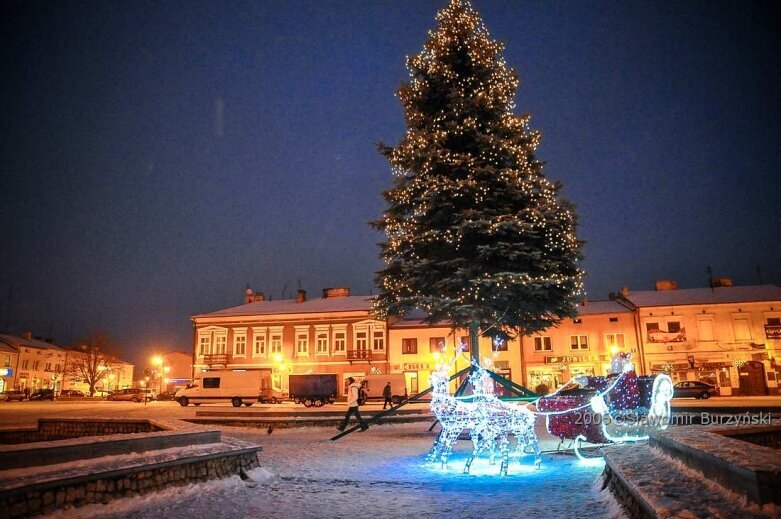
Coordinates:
(71, 392)
(42, 394)
(167, 395)
(10, 396)
(694, 389)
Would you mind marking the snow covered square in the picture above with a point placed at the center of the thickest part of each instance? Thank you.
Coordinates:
(380, 473)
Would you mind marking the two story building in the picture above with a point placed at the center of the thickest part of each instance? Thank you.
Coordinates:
(39, 364)
(726, 335)
(332, 334)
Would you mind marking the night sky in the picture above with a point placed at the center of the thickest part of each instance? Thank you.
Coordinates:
(156, 157)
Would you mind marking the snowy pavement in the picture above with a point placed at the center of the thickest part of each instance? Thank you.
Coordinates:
(379, 473)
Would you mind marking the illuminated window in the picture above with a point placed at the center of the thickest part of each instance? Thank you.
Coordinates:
(542, 344)
(578, 342)
(615, 340)
(436, 344)
(378, 340)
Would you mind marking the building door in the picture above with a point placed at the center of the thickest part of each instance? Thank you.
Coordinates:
(752, 378)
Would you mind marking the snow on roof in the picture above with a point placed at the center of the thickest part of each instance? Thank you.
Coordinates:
(417, 317)
(290, 306)
(16, 341)
(699, 296)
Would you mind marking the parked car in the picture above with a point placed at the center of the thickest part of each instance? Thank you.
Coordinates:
(42, 394)
(167, 395)
(10, 396)
(694, 389)
(129, 395)
(71, 392)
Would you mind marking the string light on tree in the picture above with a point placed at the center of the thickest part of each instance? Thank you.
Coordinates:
(476, 234)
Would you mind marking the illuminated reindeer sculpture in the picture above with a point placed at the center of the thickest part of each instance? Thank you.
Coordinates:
(489, 420)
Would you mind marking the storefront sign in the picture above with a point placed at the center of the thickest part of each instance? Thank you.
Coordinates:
(772, 331)
(416, 367)
(659, 336)
(568, 359)
(6, 372)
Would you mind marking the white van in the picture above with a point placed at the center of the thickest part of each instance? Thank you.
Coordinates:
(375, 384)
(235, 386)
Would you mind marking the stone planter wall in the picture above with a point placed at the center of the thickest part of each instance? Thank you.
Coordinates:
(51, 429)
(102, 488)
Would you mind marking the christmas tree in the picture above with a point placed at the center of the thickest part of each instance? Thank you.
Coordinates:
(476, 234)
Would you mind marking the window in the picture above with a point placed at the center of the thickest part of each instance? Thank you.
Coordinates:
(542, 344)
(340, 341)
(259, 344)
(36, 364)
(651, 327)
(361, 340)
(499, 344)
(322, 342)
(57, 367)
(578, 342)
(705, 328)
(577, 321)
(25, 364)
(615, 340)
(613, 319)
(463, 342)
(221, 344)
(436, 344)
(211, 383)
(276, 342)
(409, 346)
(378, 340)
(302, 342)
(742, 327)
(771, 321)
(48, 366)
(7, 361)
(240, 345)
(673, 326)
(204, 345)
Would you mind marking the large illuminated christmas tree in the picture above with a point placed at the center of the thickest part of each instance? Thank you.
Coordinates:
(476, 234)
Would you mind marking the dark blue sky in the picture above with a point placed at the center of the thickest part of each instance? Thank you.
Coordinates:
(157, 156)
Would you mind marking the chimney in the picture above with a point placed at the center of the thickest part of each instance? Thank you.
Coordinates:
(27, 335)
(251, 298)
(336, 292)
(248, 295)
(258, 297)
(624, 291)
(665, 284)
(721, 282)
(300, 296)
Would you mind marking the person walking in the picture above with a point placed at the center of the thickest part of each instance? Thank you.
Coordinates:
(353, 391)
(386, 394)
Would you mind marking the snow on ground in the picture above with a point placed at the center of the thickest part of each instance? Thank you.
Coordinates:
(379, 473)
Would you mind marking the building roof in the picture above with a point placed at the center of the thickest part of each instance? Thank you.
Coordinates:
(602, 307)
(15, 341)
(417, 317)
(290, 306)
(705, 296)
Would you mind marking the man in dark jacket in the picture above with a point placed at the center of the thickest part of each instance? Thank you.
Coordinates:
(386, 394)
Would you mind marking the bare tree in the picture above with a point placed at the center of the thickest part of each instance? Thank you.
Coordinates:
(92, 359)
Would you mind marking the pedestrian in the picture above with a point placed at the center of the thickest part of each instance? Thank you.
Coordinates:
(26, 392)
(353, 391)
(386, 394)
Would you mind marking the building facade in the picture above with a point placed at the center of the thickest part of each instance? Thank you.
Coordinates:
(332, 334)
(37, 364)
(727, 335)
(579, 346)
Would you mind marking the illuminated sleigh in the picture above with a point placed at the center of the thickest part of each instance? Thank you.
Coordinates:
(616, 408)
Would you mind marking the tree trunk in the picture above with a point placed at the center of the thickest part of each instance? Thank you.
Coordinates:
(474, 342)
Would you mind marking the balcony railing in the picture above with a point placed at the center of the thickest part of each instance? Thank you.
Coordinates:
(216, 358)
